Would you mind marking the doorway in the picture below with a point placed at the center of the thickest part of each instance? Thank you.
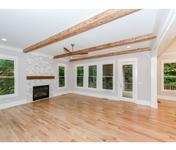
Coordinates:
(128, 80)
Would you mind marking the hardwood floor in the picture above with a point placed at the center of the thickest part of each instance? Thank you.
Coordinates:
(81, 118)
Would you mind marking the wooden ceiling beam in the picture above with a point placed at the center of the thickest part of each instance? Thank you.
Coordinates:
(137, 50)
(98, 20)
(110, 45)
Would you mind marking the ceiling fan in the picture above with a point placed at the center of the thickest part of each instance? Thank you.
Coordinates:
(66, 50)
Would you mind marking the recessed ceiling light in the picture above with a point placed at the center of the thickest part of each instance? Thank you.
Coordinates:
(4, 39)
(128, 46)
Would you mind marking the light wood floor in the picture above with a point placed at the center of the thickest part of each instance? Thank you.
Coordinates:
(81, 118)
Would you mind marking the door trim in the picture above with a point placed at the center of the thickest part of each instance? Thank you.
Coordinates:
(132, 61)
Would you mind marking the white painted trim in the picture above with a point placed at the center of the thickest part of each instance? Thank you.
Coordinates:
(134, 62)
(86, 72)
(12, 104)
(21, 102)
(154, 103)
(65, 72)
(143, 102)
(139, 102)
(15, 59)
(95, 95)
(61, 93)
(11, 48)
(113, 77)
(75, 70)
(93, 64)
(24, 101)
(162, 74)
(166, 31)
(21, 51)
(163, 97)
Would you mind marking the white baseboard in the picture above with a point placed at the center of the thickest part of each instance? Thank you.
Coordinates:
(24, 101)
(163, 97)
(12, 104)
(143, 102)
(61, 93)
(20, 102)
(95, 95)
(140, 102)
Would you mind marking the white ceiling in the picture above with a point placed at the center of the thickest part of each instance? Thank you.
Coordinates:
(23, 28)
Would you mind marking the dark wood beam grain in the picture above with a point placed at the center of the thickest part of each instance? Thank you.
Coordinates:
(137, 50)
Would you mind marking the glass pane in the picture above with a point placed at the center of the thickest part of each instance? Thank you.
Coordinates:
(61, 71)
(6, 67)
(61, 81)
(7, 85)
(80, 81)
(170, 76)
(93, 70)
(127, 81)
(107, 83)
(80, 71)
(92, 82)
(108, 70)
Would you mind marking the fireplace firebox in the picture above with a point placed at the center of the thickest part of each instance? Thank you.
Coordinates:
(40, 92)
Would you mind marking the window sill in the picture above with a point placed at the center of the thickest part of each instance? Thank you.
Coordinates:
(62, 87)
(8, 96)
(169, 91)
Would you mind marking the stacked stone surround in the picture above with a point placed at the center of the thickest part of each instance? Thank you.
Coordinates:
(39, 66)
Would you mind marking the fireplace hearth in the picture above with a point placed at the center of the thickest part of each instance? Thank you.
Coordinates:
(40, 92)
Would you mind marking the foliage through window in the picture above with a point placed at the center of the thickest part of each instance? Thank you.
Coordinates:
(92, 81)
(80, 76)
(7, 80)
(170, 76)
(108, 76)
(61, 71)
(127, 81)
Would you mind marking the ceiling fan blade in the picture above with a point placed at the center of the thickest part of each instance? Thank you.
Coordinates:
(67, 50)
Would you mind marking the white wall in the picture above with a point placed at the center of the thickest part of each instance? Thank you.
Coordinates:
(143, 78)
(31, 64)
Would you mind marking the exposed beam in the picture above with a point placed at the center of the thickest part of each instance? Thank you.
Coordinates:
(137, 50)
(98, 20)
(110, 45)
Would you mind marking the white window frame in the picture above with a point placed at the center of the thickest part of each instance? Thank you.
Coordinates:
(13, 58)
(94, 64)
(162, 74)
(76, 76)
(65, 70)
(113, 78)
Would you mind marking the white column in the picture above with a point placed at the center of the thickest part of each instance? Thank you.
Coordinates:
(154, 82)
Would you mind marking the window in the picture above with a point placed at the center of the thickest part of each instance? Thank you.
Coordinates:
(7, 76)
(170, 76)
(61, 75)
(80, 76)
(92, 81)
(108, 76)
